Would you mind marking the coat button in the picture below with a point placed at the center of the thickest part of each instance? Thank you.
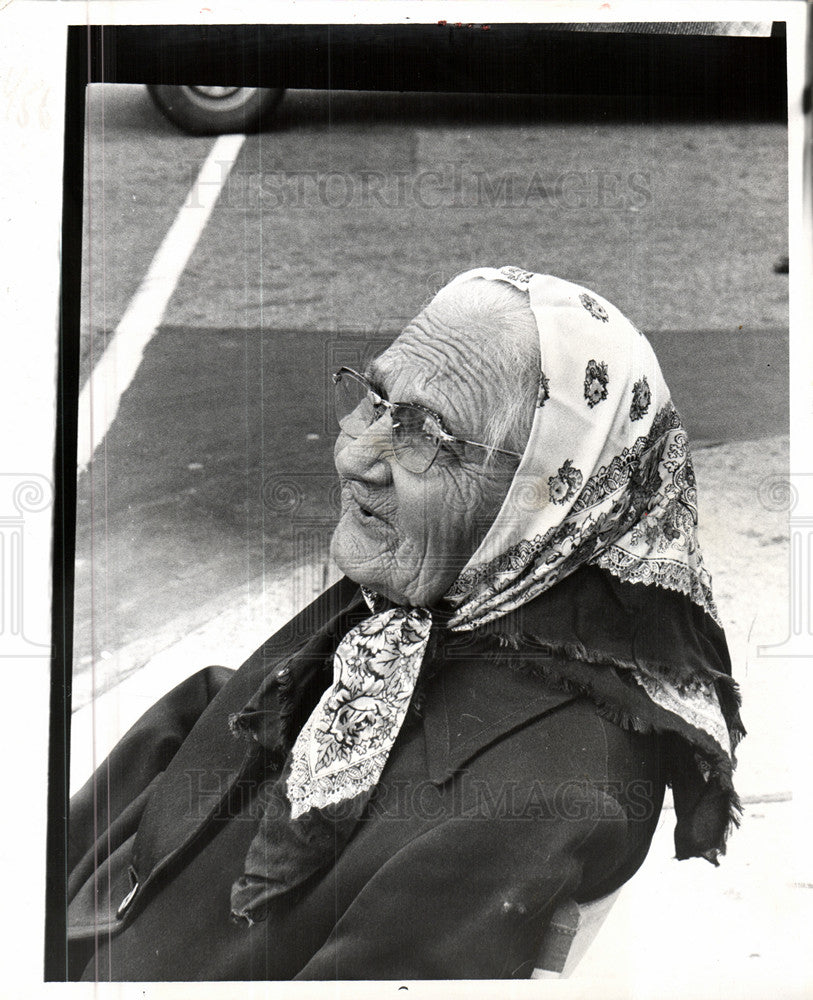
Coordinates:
(124, 905)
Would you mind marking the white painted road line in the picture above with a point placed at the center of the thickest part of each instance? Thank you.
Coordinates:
(115, 370)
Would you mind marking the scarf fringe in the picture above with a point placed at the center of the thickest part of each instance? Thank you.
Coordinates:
(609, 710)
(241, 728)
(728, 690)
(274, 729)
(718, 767)
(578, 651)
(287, 708)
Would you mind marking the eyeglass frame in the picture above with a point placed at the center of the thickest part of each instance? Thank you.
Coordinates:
(444, 437)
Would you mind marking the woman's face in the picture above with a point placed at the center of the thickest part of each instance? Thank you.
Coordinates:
(407, 535)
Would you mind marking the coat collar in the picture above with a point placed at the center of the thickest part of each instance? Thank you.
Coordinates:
(470, 704)
(470, 701)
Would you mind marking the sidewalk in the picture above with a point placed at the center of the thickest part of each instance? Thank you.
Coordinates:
(740, 930)
(251, 614)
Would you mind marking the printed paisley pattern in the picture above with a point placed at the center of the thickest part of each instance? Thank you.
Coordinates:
(700, 707)
(343, 747)
(563, 485)
(619, 472)
(624, 498)
(516, 276)
(641, 398)
(595, 382)
(646, 495)
(596, 310)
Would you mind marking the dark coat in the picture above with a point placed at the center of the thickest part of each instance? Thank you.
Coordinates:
(502, 797)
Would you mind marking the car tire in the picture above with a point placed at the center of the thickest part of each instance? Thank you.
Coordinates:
(216, 110)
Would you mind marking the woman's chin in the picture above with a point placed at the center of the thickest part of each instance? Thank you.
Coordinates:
(354, 553)
(361, 559)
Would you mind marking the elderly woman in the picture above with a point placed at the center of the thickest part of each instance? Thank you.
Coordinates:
(478, 722)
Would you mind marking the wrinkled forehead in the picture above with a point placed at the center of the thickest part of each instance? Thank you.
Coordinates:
(439, 339)
(422, 354)
(441, 360)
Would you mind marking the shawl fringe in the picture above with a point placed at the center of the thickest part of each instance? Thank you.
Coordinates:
(728, 690)
(713, 795)
(659, 669)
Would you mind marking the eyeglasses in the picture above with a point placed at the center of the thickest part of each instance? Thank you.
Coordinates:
(416, 432)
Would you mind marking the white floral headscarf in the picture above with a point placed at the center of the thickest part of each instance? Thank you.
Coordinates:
(606, 476)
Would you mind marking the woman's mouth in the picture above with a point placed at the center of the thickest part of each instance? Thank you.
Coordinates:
(366, 513)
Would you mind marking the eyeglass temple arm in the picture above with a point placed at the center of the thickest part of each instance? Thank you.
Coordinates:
(477, 444)
(490, 447)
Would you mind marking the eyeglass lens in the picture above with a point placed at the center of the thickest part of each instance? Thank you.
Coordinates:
(354, 408)
(414, 442)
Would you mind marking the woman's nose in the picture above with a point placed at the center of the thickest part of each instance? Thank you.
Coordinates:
(367, 456)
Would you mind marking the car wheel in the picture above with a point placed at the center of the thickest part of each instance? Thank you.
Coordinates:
(215, 110)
